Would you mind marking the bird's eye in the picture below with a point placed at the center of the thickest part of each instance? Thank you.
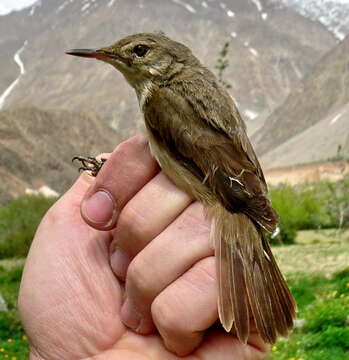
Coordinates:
(140, 50)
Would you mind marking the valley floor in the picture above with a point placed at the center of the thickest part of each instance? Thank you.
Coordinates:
(316, 268)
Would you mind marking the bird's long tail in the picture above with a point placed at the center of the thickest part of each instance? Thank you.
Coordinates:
(249, 281)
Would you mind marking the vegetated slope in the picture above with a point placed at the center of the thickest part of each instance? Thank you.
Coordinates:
(36, 147)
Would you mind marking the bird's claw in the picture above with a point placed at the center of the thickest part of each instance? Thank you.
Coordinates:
(90, 164)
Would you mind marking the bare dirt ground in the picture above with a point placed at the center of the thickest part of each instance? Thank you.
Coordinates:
(293, 175)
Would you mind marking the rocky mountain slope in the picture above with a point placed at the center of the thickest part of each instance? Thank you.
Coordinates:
(36, 147)
(327, 139)
(288, 70)
(334, 14)
(271, 48)
(314, 119)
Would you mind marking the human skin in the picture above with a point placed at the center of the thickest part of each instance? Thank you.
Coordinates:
(140, 229)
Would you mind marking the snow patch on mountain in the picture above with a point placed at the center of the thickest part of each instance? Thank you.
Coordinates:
(258, 5)
(33, 8)
(250, 114)
(334, 120)
(3, 10)
(85, 7)
(111, 3)
(61, 7)
(19, 62)
(334, 14)
(185, 5)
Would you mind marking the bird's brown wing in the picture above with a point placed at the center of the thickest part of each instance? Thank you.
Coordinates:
(247, 275)
(214, 105)
(225, 162)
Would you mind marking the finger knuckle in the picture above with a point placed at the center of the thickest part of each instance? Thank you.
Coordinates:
(138, 277)
(164, 315)
(124, 145)
(132, 224)
(135, 141)
(195, 218)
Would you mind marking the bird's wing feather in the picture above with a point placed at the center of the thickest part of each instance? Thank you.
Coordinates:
(215, 106)
(249, 282)
(212, 156)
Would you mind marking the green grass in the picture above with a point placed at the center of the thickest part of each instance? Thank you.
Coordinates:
(316, 267)
(318, 274)
(13, 341)
(18, 222)
(323, 303)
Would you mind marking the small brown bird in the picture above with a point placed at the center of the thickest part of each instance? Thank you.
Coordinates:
(199, 139)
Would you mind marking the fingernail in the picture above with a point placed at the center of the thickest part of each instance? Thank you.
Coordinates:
(99, 208)
(129, 316)
(119, 262)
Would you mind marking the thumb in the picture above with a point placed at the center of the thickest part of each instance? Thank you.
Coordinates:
(126, 171)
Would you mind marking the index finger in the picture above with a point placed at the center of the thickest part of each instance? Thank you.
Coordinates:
(126, 171)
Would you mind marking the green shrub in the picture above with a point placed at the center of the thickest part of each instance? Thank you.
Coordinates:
(330, 337)
(286, 234)
(13, 275)
(337, 201)
(18, 222)
(13, 341)
(9, 280)
(309, 207)
(342, 275)
(305, 288)
(323, 303)
(327, 312)
(10, 325)
(302, 206)
(324, 353)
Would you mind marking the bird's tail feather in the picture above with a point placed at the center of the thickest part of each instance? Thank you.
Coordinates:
(249, 279)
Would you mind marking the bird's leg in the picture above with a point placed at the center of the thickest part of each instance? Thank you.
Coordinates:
(90, 164)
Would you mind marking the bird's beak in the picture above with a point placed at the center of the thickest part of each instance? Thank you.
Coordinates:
(89, 53)
(100, 54)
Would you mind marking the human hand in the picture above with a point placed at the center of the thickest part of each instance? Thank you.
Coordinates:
(71, 296)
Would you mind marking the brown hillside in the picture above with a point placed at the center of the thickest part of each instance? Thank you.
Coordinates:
(267, 55)
(36, 147)
(311, 173)
(322, 92)
(324, 140)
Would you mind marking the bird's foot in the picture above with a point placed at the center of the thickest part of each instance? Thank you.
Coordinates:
(90, 164)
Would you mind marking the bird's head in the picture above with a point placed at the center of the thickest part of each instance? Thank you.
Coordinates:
(143, 58)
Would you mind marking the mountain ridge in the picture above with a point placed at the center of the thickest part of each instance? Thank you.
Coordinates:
(36, 147)
(267, 54)
(273, 52)
(320, 101)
